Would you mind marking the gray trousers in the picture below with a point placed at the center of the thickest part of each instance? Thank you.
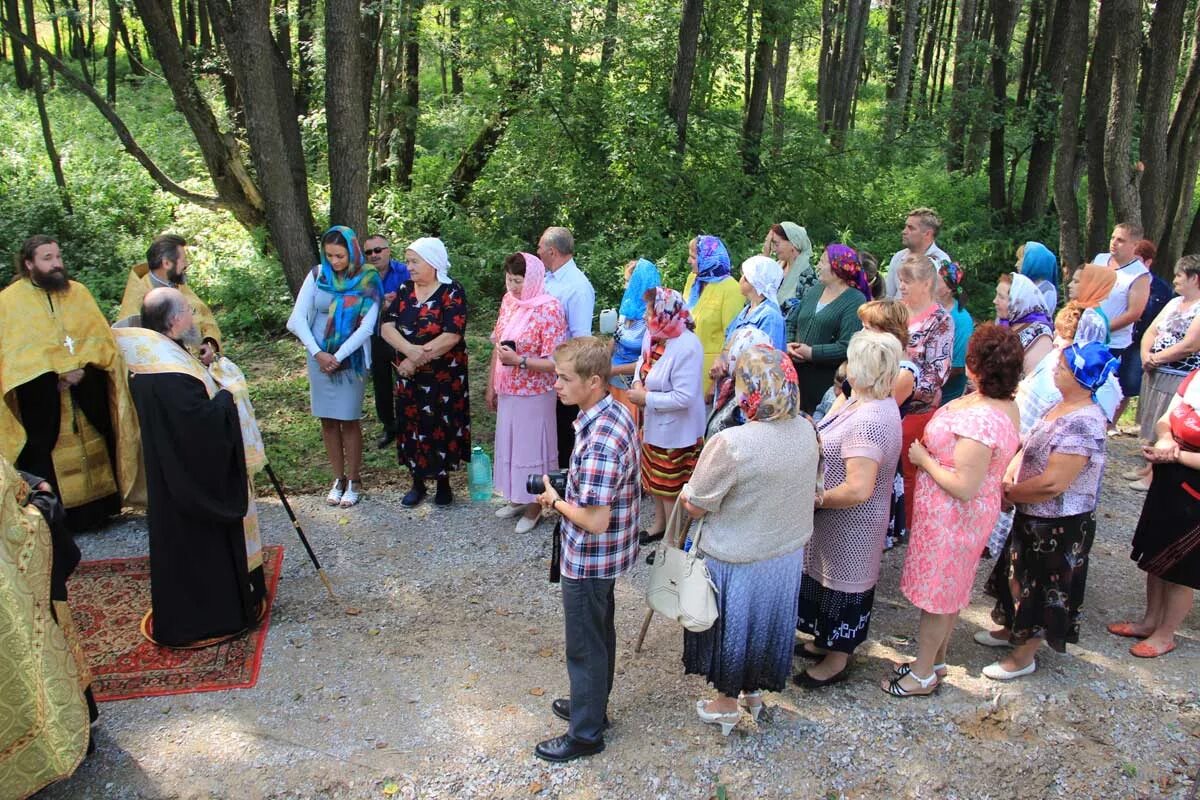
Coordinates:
(589, 612)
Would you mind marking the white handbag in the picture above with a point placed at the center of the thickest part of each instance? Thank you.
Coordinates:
(680, 586)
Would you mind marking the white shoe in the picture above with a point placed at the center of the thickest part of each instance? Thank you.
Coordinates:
(986, 639)
(510, 510)
(752, 702)
(999, 673)
(350, 497)
(1133, 475)
(526, 524)
(727, 721)
(335, 494)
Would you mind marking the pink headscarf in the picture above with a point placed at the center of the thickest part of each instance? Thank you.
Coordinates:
(517, 314)
(667, 317)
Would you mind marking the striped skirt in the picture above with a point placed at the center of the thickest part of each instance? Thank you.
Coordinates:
(666, 469)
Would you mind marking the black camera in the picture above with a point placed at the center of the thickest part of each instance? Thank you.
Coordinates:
(558, 479)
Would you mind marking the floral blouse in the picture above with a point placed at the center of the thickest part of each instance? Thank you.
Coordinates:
(546, 330)
(931, 347)
(1171, 330)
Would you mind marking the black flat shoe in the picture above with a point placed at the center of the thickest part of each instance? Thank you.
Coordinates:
(806, 681)
(443, 496)
(645, 537)
(564, 748)
(414, 497)
(383, 441)
(801, 649)
(562, 709)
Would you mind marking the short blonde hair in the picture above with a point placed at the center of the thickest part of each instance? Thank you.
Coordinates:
(872, 361)
(928, 219)
(919, 267)
(587, 356)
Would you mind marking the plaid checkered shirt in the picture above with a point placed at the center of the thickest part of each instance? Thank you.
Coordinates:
(604, 472)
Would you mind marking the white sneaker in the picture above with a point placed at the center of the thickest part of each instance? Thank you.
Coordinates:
(526, 524)
(335, 494)
(350, 497)
(986, 639)
(510, 510)
(999, 673)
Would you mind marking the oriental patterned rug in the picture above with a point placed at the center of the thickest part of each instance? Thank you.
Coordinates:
(108, 599)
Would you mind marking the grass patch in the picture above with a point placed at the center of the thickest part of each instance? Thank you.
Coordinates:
(278, 382)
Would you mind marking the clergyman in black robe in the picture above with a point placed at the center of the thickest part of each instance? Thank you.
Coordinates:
(201, 590)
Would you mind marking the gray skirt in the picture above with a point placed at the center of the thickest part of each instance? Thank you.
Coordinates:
(1157, 390)
(338, 396)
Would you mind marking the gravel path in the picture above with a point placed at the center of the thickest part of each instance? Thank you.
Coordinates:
(441, 686)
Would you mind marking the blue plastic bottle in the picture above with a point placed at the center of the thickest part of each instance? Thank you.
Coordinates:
(479, 475)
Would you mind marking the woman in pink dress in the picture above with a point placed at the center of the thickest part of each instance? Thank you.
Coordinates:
(967, 447)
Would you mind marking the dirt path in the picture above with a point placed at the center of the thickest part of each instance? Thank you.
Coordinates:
(442, 685)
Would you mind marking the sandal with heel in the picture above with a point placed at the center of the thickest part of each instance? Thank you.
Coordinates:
(728, 721)
(752, 702)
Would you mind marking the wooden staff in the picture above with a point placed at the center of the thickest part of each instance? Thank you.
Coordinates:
(299, 532)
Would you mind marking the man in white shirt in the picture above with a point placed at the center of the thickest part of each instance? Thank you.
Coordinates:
(921, 228)
(1124, 305)
(566, 282)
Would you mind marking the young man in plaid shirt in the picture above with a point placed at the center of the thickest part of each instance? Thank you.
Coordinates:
(599, 541)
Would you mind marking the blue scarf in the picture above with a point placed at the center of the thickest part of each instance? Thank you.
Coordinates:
(644, 278)
(712, 265)
(1091, 364)
(355, 291)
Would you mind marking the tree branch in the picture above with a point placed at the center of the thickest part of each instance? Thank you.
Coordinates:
(118, 125)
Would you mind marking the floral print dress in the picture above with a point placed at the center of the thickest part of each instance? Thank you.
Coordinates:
(433, 410)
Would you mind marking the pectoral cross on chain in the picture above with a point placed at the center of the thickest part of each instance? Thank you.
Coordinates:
(69, 343)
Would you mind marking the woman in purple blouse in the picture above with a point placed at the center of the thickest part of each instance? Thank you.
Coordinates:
(1039, 578)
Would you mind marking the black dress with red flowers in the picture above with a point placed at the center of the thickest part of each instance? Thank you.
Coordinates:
(433, 409)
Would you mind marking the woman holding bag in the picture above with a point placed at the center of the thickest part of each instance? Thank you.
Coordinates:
(754, 489)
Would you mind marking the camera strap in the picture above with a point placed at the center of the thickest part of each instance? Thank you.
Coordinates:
(556, 552)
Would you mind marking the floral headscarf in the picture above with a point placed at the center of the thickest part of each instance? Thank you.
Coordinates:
(741, 340)
(765, 275)
(712, 265)
(766, 385)
(1091, 364)
(669, 317)
(951, 275)
(1026, 303)
(846, 265)
(644, 278)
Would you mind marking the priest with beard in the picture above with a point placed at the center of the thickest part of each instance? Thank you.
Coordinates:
(66, 413)
(201, 589)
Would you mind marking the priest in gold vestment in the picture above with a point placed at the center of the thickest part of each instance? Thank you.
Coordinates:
(66, 413)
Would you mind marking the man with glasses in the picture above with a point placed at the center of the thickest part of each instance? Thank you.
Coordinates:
(392, 273)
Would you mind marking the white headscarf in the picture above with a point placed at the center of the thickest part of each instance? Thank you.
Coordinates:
(434, 253)
(764, 274)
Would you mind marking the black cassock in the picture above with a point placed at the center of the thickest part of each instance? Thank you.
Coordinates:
(197, 496)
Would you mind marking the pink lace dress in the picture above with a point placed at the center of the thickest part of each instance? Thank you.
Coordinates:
(948, 535)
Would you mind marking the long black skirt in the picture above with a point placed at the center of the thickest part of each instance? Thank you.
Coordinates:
(1040, 577)
(1167, 541)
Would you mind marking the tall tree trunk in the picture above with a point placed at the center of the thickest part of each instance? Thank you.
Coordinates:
(898, 112)
(306, 15)
(779, 76)
(570, 54)
(827, 61)
(1183, 137)
(470, 165)
(347, 126)
(846, 90)
(411, 96)
(12, 18)
(456, 78)
(933, 21)
(1003, 13)
(945, 56)
(608, 47)
(272, 129)
(980, 125)
(752, 126)
(1119, 174)
(1045, 114)
(680, 98)
(1157, 89)
(390, 54)
(1031, 51)
(748, 53)
(39, 91)
(1097, 95)
(110, 53)
(1074, 40)
(204, 24)
(132, 51)
(283, 31)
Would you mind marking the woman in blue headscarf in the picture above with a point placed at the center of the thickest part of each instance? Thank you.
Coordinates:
(1036, 262)
(714, 297)
(1040, 576)
(640, 277)
(334, 317)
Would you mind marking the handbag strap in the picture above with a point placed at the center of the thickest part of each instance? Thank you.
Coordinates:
(678, 523)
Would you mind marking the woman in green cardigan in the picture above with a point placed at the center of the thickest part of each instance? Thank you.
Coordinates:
(819, 327)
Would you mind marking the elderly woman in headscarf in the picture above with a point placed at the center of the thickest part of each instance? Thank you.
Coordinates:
(726, 413)
(520, 385)
(760, 285)
(427, 325)
(820, 326)
(1054, 480)
(1036, 262)
(713, 296)
(789, 243)
(334, 316)
(640, 277)
(1021, 307)
(667, 381)
(754, 489)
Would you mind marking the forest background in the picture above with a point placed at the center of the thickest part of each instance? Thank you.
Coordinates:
(248, 126)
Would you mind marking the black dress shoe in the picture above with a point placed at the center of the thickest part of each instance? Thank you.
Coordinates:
(387, 438)
(443, 496)
(564, 748)
(562, 709)
(414, 497)
(645, 537)
(806, 681)
(801, 649)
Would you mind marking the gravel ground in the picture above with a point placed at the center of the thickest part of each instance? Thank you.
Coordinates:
(441, 685)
